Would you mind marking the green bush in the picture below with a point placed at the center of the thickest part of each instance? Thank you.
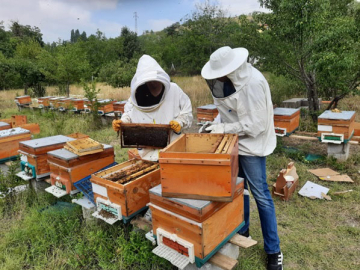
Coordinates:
(119, 73)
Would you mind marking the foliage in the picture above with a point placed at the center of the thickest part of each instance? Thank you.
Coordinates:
(91, 94)
(314, 41)
(119, 73)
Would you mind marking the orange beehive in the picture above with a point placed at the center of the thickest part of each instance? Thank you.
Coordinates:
(9, 141)
(66, 168)
(54, 102)
(336, 127)
(34, 153)
(200, 166)
(126, 197)
(194, 229)
(119, 106)
(23, 100)
(206, 113)
(77, 104)
(286, 182)
(4, 125)
(357, 129)
(286, 120)
(44, 101)
(105, 106)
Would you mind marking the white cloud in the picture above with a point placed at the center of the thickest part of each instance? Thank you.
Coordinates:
(56, 18)
(158, 25)
(235, 8)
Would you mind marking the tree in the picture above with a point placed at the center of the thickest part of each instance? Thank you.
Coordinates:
(72, 36)
(83, 36)
(315, 41)
(26, 32)
(130, 42)
(76, 35)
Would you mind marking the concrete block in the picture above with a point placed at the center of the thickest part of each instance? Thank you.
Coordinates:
(339, 151)
(39, 185)
(292, 103)
(228, 249)
(87, 213)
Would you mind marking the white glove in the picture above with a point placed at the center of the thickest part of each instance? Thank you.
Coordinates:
(204, 126)
(219, 128)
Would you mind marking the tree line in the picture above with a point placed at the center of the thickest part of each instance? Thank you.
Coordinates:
(313, 44)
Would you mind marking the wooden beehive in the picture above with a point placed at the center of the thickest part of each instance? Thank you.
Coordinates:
(44, 101)
(78, 104)
(127, 198)
(54, 102)
(66, 168)
(206, 113)
(286, 182)
(119, 106)
(286, 121)
(133, 153)
(77, 135)
(144, 135)
(4, 126)
(34, 153)
(18, 120)
(200, 166)
(105, 106)
(9, 141)
(197, 228)
(336, 127)
(23, 100)
(357, 129)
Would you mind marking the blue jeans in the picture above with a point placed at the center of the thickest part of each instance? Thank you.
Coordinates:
(253, 170)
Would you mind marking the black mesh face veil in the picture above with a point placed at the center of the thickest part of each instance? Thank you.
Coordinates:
(221, 89)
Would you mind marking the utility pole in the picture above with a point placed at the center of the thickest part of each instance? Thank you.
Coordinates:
(136, 16)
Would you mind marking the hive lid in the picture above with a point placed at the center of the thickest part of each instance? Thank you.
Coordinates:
(4, 124)
(285, 111)
(47, 141)
(196, 204)
(23, 96)
(344, 115)
(120, 102)
(67, 155)
(208, 107)
(144, 135)
(12, 132)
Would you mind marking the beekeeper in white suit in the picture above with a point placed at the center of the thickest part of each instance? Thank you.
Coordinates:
(155, 100)
(242, 97)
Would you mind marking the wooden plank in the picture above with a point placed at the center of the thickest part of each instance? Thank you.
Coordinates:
(82, 153)
(223, 261)
(201, 143)
(242, 241)
(222, 144)
(34, 128)
(84, 145)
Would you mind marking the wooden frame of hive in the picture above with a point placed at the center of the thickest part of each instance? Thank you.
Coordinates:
(44, 101)
(206, 113)
(205, 225)
(78, 104)
(286, 121)
(129, 198)
(336, 127)
(66, 168)
(4, 125)
(200, 166)
(105, 106)
(9, 142)
(54, 102)
(119, 106)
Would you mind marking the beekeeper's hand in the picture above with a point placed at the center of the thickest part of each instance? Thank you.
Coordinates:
(218, 128)
(116, 125)
(175, 126)
(204, 126)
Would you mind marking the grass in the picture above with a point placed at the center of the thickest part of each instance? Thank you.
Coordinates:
(314, 234)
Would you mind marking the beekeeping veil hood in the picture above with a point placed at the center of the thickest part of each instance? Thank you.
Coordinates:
(148, 70)
(227, 62)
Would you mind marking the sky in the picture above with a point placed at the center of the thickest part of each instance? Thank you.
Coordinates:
(56, 18)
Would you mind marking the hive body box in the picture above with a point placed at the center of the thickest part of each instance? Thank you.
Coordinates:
(23, 100)
(119, 106)
(286, 120)
(195, 228)
(357, 129)
(206, 113)
(4, 126)
(9, 142)
(190, 169)
(129, 198)
(34, 153)
(54, 102)
(66, 168)
(77, 104)
(44, 102)
(105, 106)
(18, 120)
(336, 127)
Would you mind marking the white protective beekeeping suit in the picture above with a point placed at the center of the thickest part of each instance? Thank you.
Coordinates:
(174, 105)
(249, 110)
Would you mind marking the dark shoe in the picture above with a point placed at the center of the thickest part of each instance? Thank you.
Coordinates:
(275, 261)
(245, 234)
